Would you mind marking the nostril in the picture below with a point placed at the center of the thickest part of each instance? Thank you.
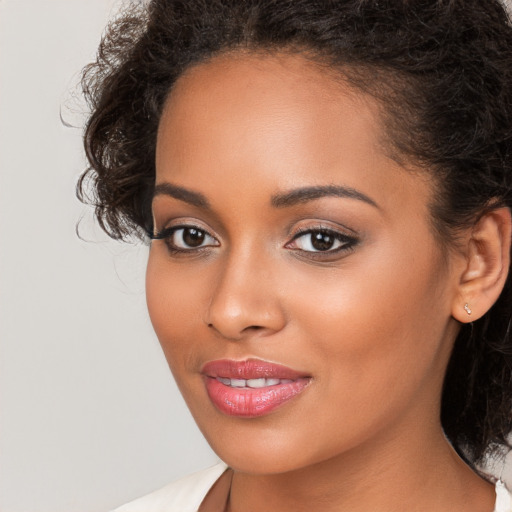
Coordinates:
(248, 329)
(253, 328)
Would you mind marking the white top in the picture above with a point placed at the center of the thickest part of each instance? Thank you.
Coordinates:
(183, 495)
(186, 494)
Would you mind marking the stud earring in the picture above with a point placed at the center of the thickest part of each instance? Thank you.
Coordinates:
(467, 309)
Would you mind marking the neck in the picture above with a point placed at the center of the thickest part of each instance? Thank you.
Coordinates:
(420, 472)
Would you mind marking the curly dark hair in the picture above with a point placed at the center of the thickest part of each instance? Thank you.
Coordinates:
(441, 69)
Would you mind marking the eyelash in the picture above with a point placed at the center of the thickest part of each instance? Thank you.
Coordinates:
(347, 242)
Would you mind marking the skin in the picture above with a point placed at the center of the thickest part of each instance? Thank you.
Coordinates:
(371, 324)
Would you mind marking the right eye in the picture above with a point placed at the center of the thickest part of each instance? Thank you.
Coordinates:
(186, 238)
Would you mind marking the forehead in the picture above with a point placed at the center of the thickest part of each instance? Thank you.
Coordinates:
(273, 121)
(301, 75)
(283, 102)
(290, 84)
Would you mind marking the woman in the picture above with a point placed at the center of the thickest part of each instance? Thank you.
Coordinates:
(327, 187)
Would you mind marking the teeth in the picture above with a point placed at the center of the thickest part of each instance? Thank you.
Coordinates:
(256, 383)
(252, 383)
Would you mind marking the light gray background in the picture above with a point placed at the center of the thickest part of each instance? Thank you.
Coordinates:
(90, 417)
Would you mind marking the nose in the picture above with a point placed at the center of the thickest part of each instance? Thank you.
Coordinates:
(245, 300)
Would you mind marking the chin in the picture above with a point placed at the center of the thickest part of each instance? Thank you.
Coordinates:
(261, 462)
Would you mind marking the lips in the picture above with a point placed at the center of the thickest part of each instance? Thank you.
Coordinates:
(251, 388)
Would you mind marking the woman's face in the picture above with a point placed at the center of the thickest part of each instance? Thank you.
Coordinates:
(299, 293)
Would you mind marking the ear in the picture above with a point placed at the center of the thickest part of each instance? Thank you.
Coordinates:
(486, 267)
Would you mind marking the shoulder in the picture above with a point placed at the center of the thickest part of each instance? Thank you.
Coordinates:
(183, 495)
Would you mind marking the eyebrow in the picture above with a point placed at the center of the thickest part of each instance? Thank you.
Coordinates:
(182, 194)
(284, 200)
(305, 194)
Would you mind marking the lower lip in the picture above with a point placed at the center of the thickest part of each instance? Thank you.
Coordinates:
(252, 402)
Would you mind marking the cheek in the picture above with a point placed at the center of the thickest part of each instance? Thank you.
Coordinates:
(174, 305)
(375, 327)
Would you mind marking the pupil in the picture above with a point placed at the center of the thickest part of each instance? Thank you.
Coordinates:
(193, 237)
(322, 241)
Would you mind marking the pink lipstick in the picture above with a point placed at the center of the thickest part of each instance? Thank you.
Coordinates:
(251, 388)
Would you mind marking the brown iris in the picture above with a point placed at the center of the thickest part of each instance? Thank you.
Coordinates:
(322, 241)
(193, 237)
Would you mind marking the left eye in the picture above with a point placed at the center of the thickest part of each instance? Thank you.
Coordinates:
(186, 238)
(320, 241)
(190, 238)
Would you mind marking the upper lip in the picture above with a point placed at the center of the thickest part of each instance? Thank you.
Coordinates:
(249, 369)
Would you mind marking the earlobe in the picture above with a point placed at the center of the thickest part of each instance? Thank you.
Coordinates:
(487, 266)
